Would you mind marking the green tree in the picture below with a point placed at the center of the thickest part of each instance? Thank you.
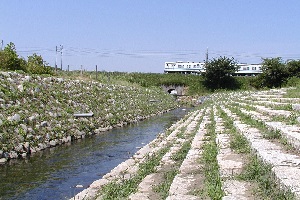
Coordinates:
(9, 59)
(218, 74)
(274, 72)
(293, 68)
(36, 65)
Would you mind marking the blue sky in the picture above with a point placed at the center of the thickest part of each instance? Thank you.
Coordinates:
(140, 35)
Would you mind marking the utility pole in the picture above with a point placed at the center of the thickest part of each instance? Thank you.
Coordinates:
(56, 59)
(96, 72)
(206, 59)
(1, 45)
(61, 54)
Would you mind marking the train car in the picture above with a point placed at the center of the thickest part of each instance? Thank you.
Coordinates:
(199, 67)
(184, 67)
(248, 70)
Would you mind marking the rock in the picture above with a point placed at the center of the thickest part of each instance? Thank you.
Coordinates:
(64, 140)
(44, 124)
(13, 155)
(1, 153)
(32, 150)
(42, 146)
(32, 118)
(97, 131)
(3, 161)
(24, 155)
(5, 155)
(79, 133)
(16, 118)
(298, 119)
(19, 148)
(29, 137)
(6, 74)
(37, 90)
(39, 138)
(20, 88)
(20, 138)
(109, 115)
(30, 130)
(27, 78)
(27, 147)
(52, 143)
(60, 80)
(296, 107)
(24, 127)
(69, 139)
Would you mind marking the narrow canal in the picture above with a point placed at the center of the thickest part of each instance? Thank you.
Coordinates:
(55, 173)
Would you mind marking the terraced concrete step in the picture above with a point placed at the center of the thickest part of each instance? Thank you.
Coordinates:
(290, 132)
(231, 164)
(284, 165)
(144, 189)
(190, 177)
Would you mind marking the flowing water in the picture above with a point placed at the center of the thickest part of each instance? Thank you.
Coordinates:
(55, 173)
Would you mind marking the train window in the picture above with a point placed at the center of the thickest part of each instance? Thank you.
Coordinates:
(253, 68)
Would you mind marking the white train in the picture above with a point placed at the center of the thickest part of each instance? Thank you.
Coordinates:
(199, 67)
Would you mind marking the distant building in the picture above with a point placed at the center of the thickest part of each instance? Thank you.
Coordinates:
(199, 67)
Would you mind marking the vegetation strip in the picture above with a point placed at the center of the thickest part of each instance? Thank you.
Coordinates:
(231, 158)
(213, 183)
(123, 188)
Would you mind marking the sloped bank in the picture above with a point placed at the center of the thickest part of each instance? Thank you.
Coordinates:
(37, 112)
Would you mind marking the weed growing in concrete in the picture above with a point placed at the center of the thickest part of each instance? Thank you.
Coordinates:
(180, 155)
(237, 142)
(260, 172)
(122, 189)
(213, 185)
(163, 187)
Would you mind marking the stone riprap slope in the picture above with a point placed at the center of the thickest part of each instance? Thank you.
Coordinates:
(241, 145)
(37, 112)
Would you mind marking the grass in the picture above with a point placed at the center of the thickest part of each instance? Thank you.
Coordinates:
(237, 142)
(164, 186)
(178, 157)
(293, 93)
(290, 120)
(213, 184)
(123, 188)
(261, 173)
(267, 133)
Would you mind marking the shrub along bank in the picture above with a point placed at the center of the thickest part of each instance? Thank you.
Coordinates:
(37, 112)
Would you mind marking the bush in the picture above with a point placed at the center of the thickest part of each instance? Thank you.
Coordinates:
(218, 74)
(36, 65)
(9, 59)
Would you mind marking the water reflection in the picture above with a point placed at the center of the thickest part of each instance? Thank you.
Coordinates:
(54, 173)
